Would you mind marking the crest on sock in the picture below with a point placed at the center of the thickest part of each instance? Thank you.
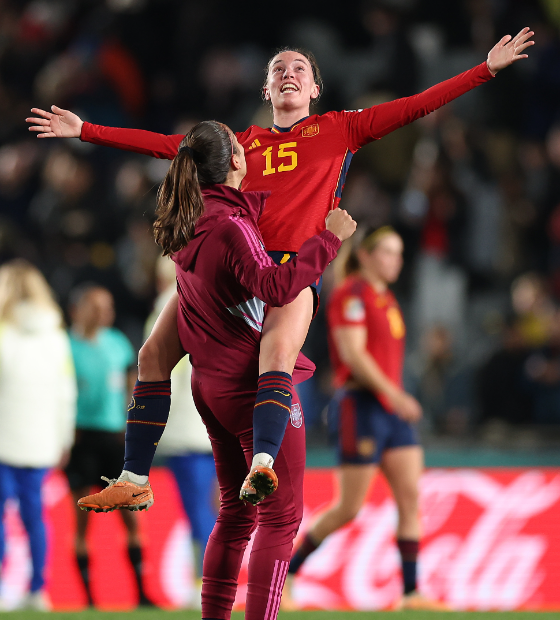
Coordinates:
(296, 416)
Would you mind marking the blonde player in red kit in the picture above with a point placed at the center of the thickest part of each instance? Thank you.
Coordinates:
(303, 160)
(375, 415)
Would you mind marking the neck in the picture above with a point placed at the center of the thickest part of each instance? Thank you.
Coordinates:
(286, 118)
(86, 332)
(378, 283)
(233, 179)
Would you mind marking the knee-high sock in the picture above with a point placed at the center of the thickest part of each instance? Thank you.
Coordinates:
(135, 557)
(147, 417)
(83, 566)
(272, 412)
(409, 559)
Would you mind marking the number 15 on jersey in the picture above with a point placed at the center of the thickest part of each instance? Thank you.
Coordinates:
(283, 151)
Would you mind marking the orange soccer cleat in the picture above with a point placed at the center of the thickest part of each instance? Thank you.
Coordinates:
(260, 483)
(119, 494)
(416, 601)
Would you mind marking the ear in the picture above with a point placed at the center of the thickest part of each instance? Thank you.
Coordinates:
(315, 91)
(266, 94)
(235, 163)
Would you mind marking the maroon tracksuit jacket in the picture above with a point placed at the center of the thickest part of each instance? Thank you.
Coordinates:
(225, 278)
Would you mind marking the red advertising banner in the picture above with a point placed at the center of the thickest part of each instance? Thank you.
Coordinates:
(491, 541)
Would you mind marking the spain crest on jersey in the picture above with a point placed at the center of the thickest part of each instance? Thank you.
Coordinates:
(310, 130)
(354, 310)
(296, 416)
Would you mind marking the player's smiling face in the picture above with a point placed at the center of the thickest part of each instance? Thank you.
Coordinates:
(290, 83)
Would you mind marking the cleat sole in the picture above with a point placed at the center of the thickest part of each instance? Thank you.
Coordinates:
(132, 508)
(262, 484)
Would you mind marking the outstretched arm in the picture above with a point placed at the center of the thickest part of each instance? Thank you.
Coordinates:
(65, 124)
(363, 126)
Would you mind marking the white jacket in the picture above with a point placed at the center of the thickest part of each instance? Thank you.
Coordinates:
(37, 389)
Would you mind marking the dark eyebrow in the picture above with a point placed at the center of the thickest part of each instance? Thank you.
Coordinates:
(295, 60)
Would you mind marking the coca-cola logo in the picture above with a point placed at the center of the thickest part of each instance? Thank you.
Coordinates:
(486, 538)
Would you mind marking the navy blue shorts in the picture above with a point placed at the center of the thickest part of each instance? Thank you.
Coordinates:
(366, 429)
(285, 257)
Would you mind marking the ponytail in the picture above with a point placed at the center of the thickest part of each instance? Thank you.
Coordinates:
(204, 157)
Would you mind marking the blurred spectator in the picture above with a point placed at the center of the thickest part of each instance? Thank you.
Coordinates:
(389, 63)
(435, 207)
(37, 406)
(102, 356)
(442, 383)
(185, 444)
(534, 309)
(542, 373)
(501, 392)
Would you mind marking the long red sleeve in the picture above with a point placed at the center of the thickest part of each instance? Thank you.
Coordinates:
(136, 140)
(361, 127)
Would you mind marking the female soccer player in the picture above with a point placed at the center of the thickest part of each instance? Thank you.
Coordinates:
(303, 159)
(375, 414)
(213, 237)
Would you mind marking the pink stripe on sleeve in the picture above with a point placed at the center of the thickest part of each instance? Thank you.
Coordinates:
(267, 261)
(250, 235)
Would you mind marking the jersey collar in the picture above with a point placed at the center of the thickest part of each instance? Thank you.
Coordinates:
(276, 129)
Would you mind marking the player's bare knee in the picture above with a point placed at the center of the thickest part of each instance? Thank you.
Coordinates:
(346, 514)
(151, 366)
(281, 359)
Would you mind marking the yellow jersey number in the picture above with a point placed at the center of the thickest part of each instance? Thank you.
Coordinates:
(396, 323)
(282, 152)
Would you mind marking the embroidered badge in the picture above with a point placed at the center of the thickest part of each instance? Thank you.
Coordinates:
(132, 404)
(296, 416)
(354, 310)
(366, 446)
(310, 130)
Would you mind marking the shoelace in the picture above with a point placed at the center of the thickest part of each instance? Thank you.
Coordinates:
(110, 481)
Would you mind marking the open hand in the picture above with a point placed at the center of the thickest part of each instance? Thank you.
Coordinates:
(340, 223)
(508, 50)
(56, 124)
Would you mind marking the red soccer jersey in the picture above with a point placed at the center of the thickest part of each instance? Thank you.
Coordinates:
(305, 166)
(357, 303)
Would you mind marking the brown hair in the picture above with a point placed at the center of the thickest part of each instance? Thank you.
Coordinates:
(368, 243)
(204, 157)
(312, 61)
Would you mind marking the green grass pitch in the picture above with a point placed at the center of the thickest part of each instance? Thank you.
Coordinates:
(300, 615)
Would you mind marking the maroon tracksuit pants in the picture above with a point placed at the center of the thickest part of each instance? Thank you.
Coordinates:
(227, 411)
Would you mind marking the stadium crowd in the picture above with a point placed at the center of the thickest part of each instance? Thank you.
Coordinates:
(474, 189)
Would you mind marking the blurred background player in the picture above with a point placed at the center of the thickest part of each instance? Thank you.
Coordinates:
(104, 361)
(375, 415)
(184, 444)
(37, 405)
